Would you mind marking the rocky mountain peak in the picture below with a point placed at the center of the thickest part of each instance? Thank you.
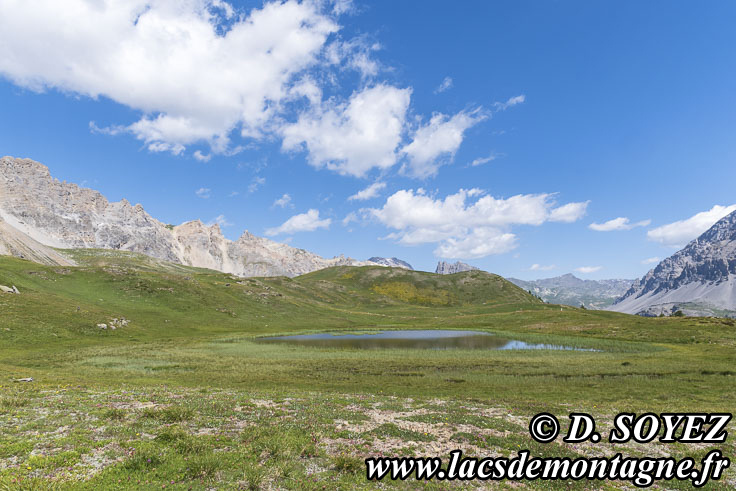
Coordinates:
(42, 211)
(703, 273)
(452, 268)
(392, 262)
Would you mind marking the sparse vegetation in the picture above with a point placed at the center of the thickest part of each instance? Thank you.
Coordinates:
(183, 397)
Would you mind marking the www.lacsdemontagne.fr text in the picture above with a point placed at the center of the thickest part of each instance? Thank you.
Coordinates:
(642, 472)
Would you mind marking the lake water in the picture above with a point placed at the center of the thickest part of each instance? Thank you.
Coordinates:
(413, 339)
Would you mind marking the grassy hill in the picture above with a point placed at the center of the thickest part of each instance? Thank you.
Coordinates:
(185, 384)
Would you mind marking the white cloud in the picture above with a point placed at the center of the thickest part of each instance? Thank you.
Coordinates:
(350, 217)
(483, 160)
(679, 233)
(468, 224)
(233, 194)
(588, 269)
(283, 201)
(480, 242)
(202, 157)
(436, 142)
(195, 69)
(355, 54)
(620, 223)
(539, 267)
(369, 192)
(219, 220)
(255, 183)
(512, 101)
(445, 85)
(651, 260)
(203, 193)
(571, 212)
(304, 222)
(354, 137)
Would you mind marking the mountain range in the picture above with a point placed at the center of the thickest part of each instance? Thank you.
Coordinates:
(39, 214)
(571, 290)
(697, 280)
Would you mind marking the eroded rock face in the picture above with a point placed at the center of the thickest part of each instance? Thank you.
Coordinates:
(704, 272)
(452, 268)
(392, 262)
(64, 215)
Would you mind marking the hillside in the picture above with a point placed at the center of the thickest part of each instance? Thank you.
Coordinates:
(700, 279)
(397, 285)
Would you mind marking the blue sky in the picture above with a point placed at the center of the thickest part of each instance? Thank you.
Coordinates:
(576, 114)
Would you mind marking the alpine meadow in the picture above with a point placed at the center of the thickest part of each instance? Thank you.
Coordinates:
(347, 245)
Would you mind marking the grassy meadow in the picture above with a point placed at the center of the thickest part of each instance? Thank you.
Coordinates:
(181, 396)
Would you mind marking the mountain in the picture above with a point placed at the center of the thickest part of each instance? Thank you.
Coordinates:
(18, 244)
(452, 268)
(40, 213)
(571, 290)
(699, 280)
(391, 262)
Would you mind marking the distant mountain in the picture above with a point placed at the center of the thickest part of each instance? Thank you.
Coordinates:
(38, 213)
(699, 280)
(571, 290)
(452, 268)
(391, 262)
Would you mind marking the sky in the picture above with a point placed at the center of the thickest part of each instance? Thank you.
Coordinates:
(530, 139)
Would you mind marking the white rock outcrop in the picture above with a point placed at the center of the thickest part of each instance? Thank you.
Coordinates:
(40, 212)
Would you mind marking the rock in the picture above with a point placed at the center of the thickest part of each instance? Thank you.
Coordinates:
(391, 262)
(452, 268)
(700, 278)
(64, 215)
(571, 290)
(27, 379)
(6, 289)
(15, 290)
(102, 326)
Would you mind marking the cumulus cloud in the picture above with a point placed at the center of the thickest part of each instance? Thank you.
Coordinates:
(283, 201)
(650, 260)
(304, 222)
(620, 223)
(512, 101)
(588, 269)
(571, 212)
(539, 267)
(445, 85)
(436, 142)
(195, 69)
(353, 137)
(369, 192)
(203, 193)
(468, 224)
(679, 233)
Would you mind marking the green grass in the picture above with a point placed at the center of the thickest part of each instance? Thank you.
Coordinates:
(184, 397)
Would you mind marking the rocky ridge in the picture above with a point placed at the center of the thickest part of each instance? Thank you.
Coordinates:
(46, 213)
(452, 268)
(568, 289)
(699, 279)
(391, 262)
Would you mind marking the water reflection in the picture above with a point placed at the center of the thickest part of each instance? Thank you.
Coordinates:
(412, 339)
